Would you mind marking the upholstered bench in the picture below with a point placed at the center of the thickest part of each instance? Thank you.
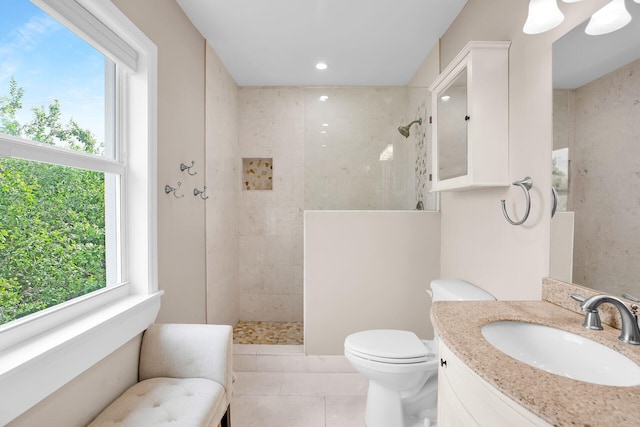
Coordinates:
(185, 380)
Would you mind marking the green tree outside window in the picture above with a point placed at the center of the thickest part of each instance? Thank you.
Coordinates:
(52, 230)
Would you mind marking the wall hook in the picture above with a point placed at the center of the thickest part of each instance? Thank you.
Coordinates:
(526, 185)
(201, 193)
(184, 167)
(169, 189)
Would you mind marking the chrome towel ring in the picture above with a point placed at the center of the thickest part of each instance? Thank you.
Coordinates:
(526, 185)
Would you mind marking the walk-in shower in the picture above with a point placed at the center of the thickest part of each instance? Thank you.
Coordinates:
(321, 151)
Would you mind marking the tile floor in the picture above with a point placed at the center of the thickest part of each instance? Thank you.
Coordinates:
(278, 385)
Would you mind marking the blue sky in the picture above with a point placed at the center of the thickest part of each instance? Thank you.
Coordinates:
(50, 62)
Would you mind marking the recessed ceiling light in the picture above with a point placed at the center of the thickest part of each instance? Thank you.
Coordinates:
(446, 98)
(321, 66)
(323, 98)
(325, 124)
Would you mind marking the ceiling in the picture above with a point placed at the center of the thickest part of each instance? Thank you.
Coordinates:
(363, 42)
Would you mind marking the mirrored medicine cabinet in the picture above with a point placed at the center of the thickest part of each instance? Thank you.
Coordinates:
(471, 119)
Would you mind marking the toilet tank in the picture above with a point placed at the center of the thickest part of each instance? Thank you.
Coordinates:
(458, 290)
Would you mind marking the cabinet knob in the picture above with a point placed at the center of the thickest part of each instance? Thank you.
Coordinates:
(443, 362)
(466, 118)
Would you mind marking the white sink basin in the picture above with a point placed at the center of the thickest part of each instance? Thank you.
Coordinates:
(562, 353)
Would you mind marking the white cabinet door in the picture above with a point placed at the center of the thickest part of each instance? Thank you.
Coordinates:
(470, 103)
(451, 411)
(465, 399)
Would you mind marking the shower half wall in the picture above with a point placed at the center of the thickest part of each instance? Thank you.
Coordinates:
(328, 149)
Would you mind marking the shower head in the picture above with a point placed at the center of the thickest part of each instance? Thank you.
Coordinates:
(404, 130)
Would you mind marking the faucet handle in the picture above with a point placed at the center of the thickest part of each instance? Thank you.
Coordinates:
(579, 298)
(591, 316)
(592, 320)
(634, 306)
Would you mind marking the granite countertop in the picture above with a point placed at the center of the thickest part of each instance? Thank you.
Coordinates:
(558, 400)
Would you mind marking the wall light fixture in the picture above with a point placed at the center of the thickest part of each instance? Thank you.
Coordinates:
(545, 15)
(610, 18)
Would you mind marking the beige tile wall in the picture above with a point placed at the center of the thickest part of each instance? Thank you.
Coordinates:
(604, 184)
(343, 168)
(271, 125)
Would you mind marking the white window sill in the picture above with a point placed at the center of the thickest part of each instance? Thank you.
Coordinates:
(36, 367)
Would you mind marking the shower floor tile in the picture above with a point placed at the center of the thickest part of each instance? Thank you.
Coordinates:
(259, 332)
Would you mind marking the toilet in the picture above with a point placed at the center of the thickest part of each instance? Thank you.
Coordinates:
(401, 368)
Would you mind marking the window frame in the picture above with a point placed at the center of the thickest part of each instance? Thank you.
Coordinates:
(42, 352)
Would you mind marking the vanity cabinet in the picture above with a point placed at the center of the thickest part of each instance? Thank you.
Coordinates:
(470, 121)
(466, 400)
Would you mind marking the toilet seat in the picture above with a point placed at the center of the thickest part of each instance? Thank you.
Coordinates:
(388, 346)
(395, 361)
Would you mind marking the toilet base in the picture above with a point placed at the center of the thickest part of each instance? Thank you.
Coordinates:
(424, 404)
(425, 419)
(386, 407)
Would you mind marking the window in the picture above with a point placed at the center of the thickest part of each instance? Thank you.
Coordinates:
(53, 234)
(560, 176)
(104, 183)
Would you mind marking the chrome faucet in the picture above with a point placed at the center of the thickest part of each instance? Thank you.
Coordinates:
(630, 332)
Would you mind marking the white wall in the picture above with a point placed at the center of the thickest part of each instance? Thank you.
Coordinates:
(181, 126)
(367, 270)
(223, 179)
(81, 400)
(561, 247)
(478, 244)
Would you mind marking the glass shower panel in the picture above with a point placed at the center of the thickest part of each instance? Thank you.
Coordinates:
(355, 158)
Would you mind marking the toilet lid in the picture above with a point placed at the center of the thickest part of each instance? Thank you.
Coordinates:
(388, 345)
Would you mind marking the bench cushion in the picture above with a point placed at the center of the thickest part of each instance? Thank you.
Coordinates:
(175, 402)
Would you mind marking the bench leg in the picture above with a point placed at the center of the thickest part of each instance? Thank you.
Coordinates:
(226, 418)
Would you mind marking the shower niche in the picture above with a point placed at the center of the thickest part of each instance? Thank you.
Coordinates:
(470, 103)
(257, 173)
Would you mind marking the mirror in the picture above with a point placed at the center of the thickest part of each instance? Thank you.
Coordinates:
(596, 159)
(452, 129)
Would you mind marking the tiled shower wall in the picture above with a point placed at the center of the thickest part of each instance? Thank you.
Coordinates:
(355, 157)
(271, 125)
(418, 150)
(603, 140)
(326, 155)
